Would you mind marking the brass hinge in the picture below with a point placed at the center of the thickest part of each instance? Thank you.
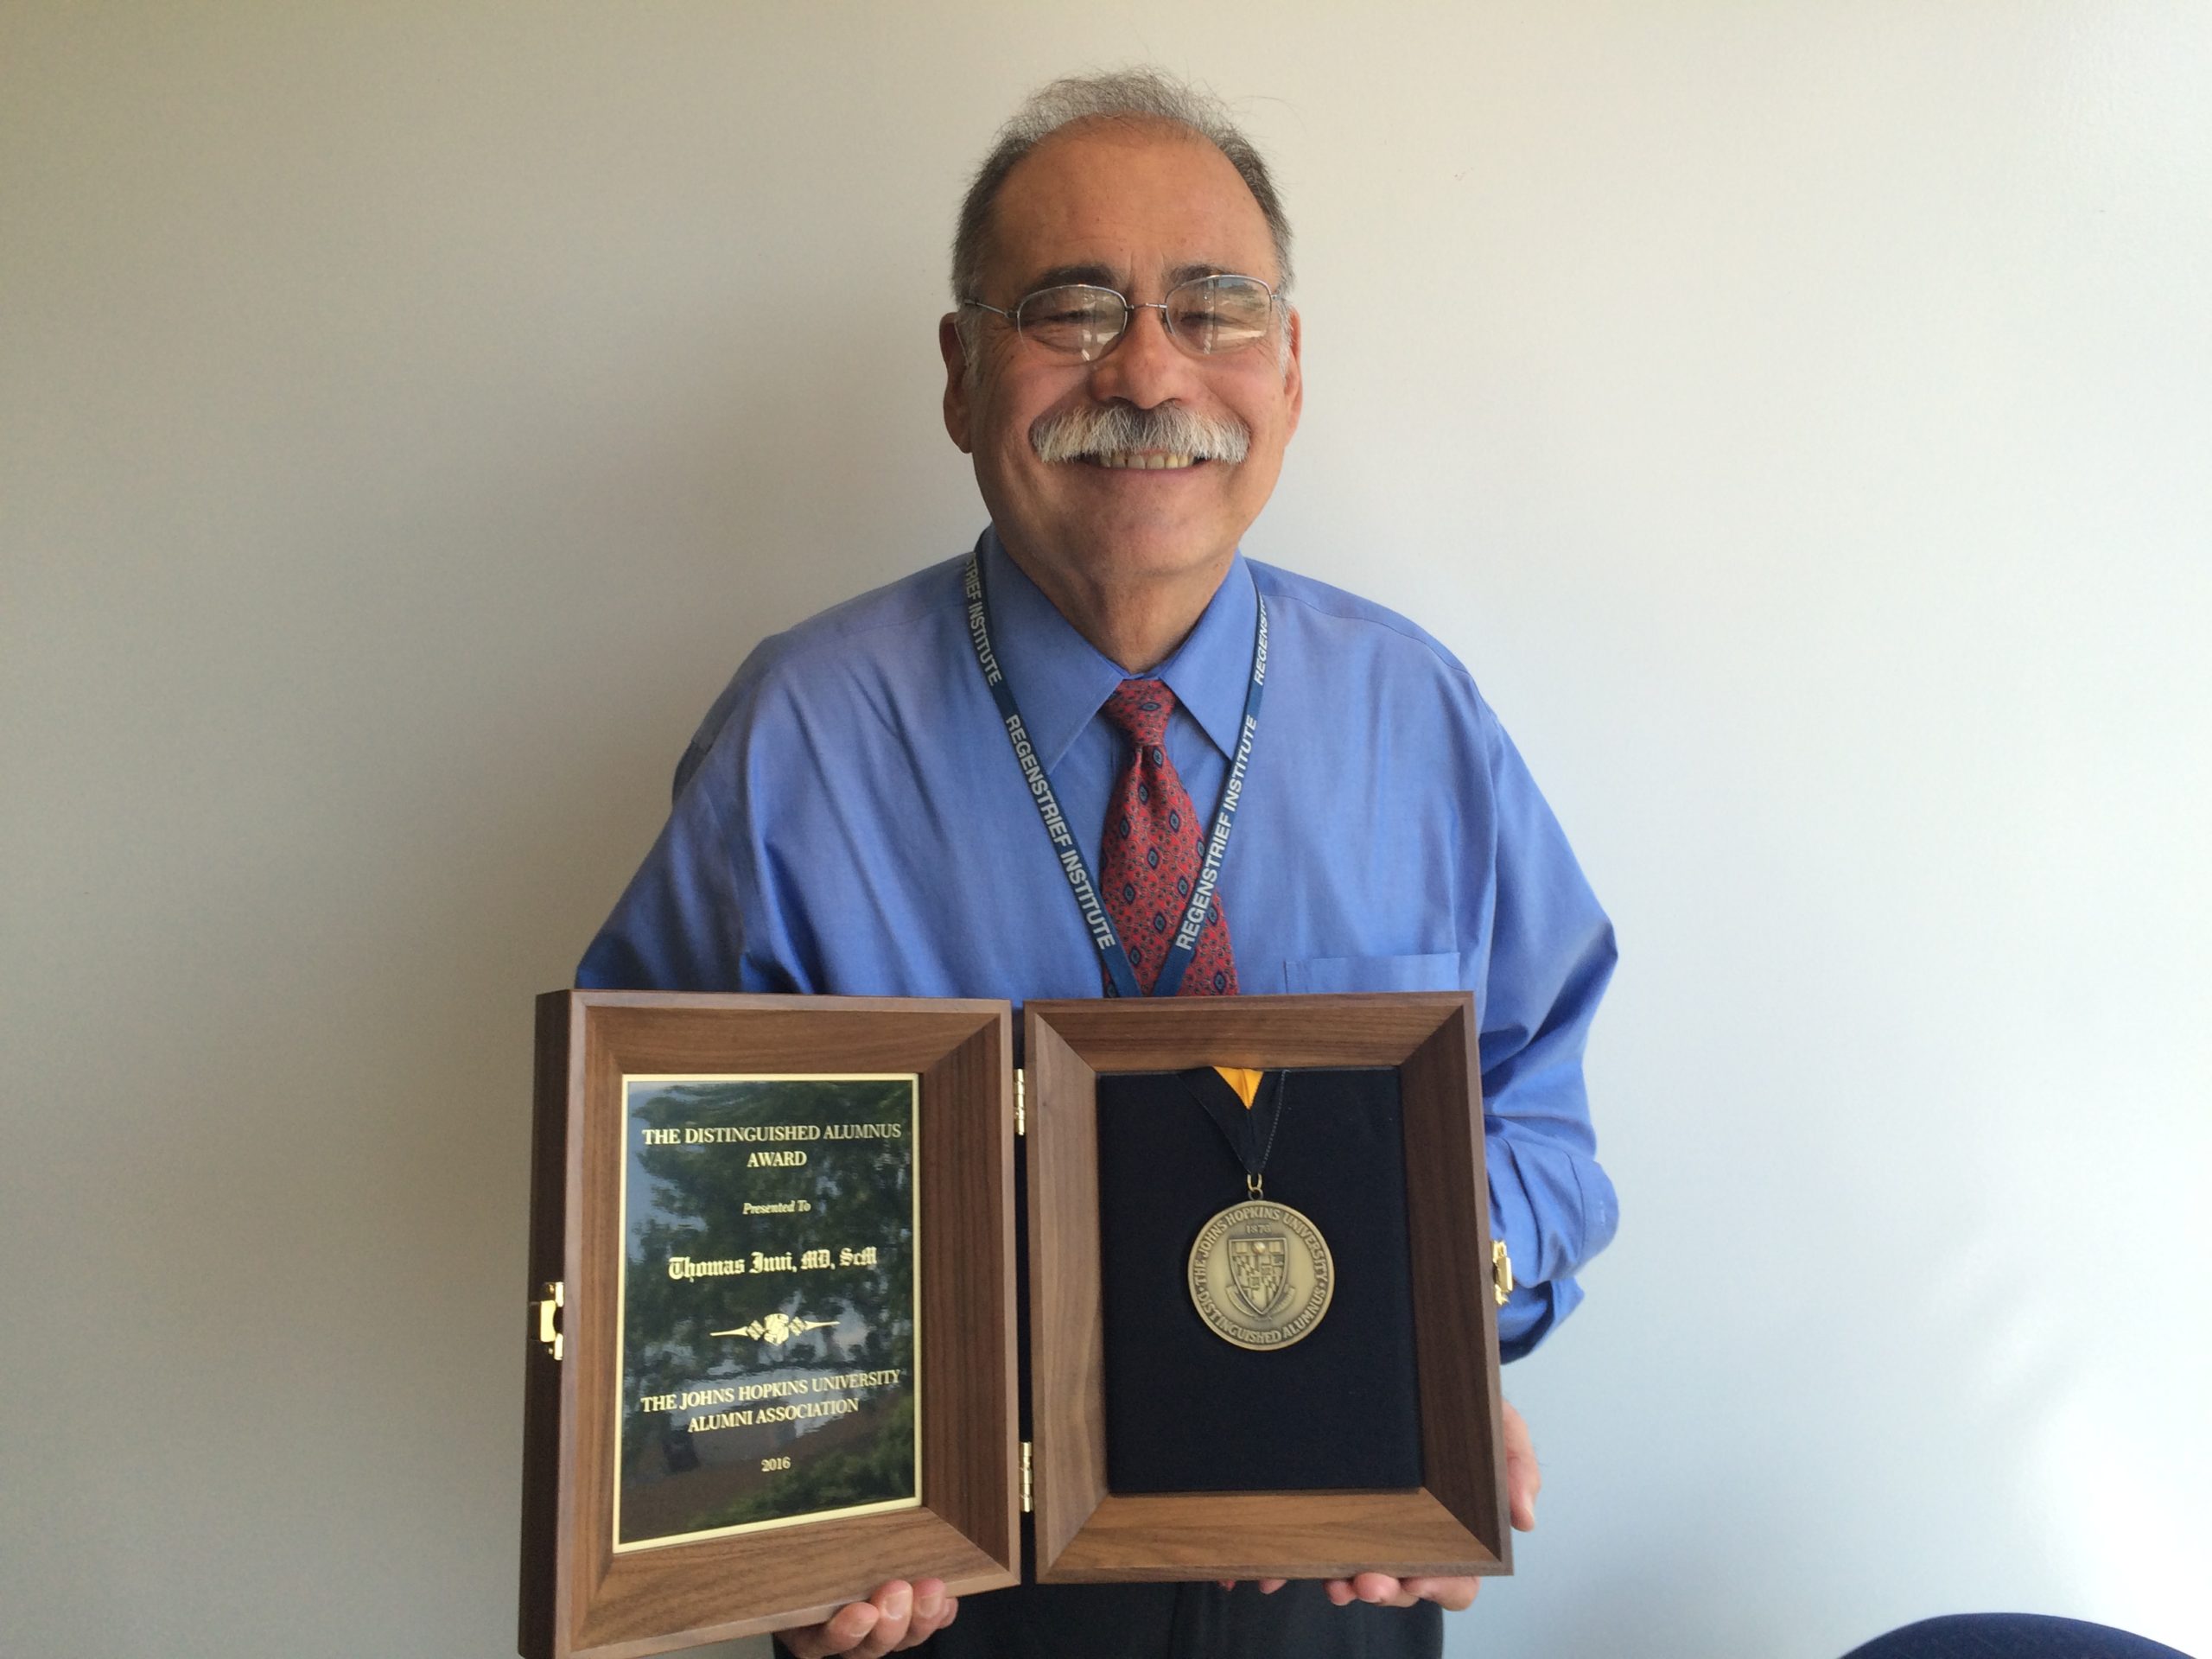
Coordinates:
(1501, 1271)
(1025, 1477)
(556, 1295)
(1021, 1100)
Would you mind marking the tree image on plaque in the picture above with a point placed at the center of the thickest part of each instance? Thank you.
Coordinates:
(768, 1307)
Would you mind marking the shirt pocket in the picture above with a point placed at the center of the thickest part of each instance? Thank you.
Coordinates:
(1439, 970)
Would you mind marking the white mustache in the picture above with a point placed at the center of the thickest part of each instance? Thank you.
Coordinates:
(1118, 428)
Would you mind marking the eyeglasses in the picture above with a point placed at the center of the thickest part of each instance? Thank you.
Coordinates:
(1206, 316)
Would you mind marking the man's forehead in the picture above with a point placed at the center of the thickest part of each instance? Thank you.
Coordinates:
(1114, 276)
(1120, 205)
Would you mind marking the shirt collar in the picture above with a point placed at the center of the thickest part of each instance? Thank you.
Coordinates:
(1059, 678)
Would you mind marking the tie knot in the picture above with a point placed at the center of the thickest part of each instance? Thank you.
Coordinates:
(1140, 708)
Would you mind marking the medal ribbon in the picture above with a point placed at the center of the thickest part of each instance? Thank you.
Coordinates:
(1249, 1130)
(1099, 925)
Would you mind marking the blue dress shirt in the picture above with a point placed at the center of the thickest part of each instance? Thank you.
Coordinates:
(850, 819)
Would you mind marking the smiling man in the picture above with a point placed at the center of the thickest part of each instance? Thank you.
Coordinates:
(1122, 453)
(1124, 369)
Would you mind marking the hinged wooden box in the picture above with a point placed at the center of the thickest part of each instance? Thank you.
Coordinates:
(1443, 1509)
(772, 1243)
(772, 1337)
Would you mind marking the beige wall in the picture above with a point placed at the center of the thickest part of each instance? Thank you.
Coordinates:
(1797, 414)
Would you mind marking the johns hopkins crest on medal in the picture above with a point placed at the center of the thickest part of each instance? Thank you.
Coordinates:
(1259, 1272)
(1261, 1275)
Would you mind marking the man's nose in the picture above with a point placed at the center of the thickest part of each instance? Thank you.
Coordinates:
(1146, 366)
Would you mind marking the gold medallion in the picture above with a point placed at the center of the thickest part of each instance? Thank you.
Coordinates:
(1262, 1276)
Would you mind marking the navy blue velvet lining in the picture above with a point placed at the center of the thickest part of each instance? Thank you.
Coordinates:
(1187, 1411)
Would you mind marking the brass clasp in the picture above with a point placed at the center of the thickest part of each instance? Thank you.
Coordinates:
(555, 1295)
(1255, 1187)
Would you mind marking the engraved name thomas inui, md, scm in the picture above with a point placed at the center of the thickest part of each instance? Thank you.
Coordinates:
(1124, 367)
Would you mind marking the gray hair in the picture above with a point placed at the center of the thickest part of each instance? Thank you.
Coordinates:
(1131, 97)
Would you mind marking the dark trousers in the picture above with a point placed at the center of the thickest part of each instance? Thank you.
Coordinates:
(1167, 1621)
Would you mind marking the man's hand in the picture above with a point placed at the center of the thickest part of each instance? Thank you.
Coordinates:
(897, 1616)
(1523, 1480)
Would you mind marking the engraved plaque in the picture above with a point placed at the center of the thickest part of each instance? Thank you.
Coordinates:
(745, 1214)
(768, 1313)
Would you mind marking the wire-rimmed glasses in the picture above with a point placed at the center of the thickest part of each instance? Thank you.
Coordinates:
(1206, 316)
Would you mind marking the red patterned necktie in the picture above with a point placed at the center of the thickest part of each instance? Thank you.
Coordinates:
(1149, 858)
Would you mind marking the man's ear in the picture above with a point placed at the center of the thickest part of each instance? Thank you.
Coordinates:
(954, 354)
(1293, 372)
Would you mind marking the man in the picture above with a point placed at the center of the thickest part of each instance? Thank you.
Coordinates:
(852, 818)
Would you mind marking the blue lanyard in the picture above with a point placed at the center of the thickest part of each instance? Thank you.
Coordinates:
(1095, 919)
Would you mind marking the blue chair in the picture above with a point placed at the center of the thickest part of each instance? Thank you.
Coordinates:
(2011, 1635)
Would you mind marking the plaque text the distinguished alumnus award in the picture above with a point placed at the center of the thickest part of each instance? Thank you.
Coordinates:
(768, 1323)
(770, 1334)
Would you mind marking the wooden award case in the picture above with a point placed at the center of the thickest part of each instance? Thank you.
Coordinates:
(1455, 1523)
(578, 1596)
(582, 1599)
